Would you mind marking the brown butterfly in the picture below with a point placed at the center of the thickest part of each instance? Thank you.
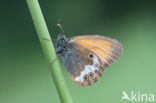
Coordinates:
(86, 57)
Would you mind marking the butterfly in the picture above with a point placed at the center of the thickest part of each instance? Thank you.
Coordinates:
(86, 57)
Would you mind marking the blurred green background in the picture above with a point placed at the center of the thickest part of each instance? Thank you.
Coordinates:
(24, 73)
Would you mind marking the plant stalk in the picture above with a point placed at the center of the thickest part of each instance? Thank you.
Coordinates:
(49, 51)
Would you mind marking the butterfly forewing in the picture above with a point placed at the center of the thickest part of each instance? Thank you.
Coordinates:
(107, 49)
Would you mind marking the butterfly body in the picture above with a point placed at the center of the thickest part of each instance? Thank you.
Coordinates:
(86, 57)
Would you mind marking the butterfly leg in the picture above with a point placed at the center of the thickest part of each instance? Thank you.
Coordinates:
(54, 60)
(53, 40)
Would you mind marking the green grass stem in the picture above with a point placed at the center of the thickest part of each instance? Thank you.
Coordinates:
(49, 51)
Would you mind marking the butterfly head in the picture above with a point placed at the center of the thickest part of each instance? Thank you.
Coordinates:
(61, 42)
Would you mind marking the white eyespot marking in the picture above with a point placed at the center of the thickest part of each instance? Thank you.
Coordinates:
(91, 75)
(88, 69)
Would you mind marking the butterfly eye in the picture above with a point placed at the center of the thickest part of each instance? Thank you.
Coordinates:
(90, 55)
(85, 77)
(91, 74)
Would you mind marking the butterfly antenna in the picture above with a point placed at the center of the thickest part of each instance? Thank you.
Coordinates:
(60, 26)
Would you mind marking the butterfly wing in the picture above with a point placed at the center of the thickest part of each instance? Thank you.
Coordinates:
(87, 57)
